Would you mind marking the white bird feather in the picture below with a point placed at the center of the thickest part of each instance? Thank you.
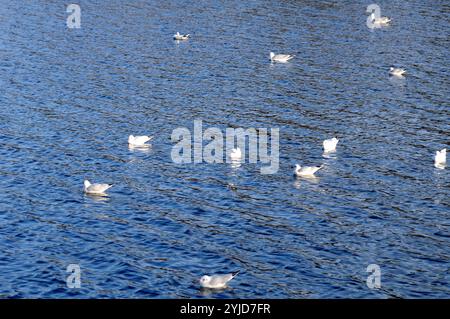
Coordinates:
(235, 154)
(399, 72)
(330, 145)
(306, 171)
(179, 36)
(95, 188)
(280, 57)
(440, 158)
(138, 140)
(217, 281)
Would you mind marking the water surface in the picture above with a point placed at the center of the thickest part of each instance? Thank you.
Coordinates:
(69, 99)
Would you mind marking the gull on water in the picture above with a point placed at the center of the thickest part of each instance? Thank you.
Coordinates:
(280, 57)
(139, 140)
(306, 171)
(330, 145)
(236, 154)
(95, 189)
(397, 72)
(179, 36)
(381, 21)
(217, 281)
(440, 158)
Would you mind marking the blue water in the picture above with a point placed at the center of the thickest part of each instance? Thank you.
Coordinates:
(70, 97)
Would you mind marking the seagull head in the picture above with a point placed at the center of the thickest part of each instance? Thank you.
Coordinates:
(130, 138)
(87, 183)
(272, 55)
(205, 280)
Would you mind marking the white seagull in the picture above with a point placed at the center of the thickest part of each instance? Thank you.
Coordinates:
(95, 189)
(306, 171)
(330, 145)
(236, 154)
(280, 57)
(139, 140)
(179, 36)
(397, 72)
(381, 21)
(217, 281)
(440, 158)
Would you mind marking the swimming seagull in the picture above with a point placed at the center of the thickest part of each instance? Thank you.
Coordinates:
(179, 36)
(236, 154)
(381, 21)
(440, 158)
(306, 171)
(330, 145)
(217, 281)
(397, 72)
(280, 57)
(95, 189)
(139, 140)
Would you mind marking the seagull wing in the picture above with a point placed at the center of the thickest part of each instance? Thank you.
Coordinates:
(284, 57)
(98, 188)
(310, 170)
(220, 280)
(142, 139)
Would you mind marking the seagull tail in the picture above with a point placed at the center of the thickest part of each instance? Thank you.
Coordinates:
(234, 274)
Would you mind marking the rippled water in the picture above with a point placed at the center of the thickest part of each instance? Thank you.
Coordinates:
(69, 99)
